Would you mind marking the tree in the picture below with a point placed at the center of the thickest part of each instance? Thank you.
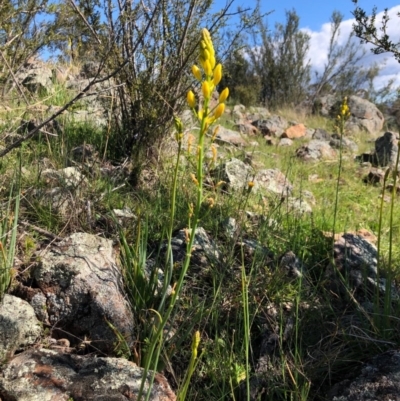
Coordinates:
(365, 28)
(21, 34)
(279, 61)
(342, 73)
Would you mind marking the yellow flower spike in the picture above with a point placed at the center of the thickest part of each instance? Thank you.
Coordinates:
(224, 95)
(205, 87)
(191, 99)
(196, 72)
(217, 74)
(194, 179)
(207, 68)
(200, 114)
(219, 110)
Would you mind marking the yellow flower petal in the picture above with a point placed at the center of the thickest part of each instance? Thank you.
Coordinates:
(219, 110)
(191, 99)
(217, 74)
(223, 95)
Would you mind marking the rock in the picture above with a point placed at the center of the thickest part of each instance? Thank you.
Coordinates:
(273, 181)
(353, 252)
(316, 150)
(379, 380)
(49, 375)
(69, 177)
(295, 131)
(240, 108)
(299, 206)
(324, 105)
(19, 327)
(386, 148)
(291, 264)
(356, 259)
(204, 250)
(375, 176)
(345, 143)
(246, 128)
(228, 136)
(234, 173)
(86, 154)
(273, 126)
(285, 142)
(38, 79)
(364, 116)
(321, 135)
(82, 291)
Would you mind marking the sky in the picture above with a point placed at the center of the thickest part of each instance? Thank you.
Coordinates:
(314, 19)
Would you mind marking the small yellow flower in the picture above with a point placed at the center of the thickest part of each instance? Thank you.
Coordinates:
(250, 185)
(205, 87)
(219, 110)
(224, 95)
(196, 72)
(178, 125)
(214, 153)
(194, 179)
(210, 202)
(191, 99)
(215, 133)
(217, 74)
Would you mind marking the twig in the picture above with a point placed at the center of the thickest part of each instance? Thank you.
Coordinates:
(14, 78)
(42, 231)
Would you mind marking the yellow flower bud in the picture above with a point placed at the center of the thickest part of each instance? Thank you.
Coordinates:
(215, 133)
(200, 115)
(212, 60)
(178, 124)
(205, 87)
(219, 110)
(194, 179)
(217, 74)
(223, 95)
(195, 343)
(196, 72)
(191, 99)
(207, 68)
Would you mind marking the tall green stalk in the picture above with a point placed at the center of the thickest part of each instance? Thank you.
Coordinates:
(209, 78)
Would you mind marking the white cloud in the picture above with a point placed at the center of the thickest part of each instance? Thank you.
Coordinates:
(319, 44)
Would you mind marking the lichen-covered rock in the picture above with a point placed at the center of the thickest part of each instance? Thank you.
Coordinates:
(229, 137)
(273, 181)
(48, 375)
(379, 381)
(234, 173)
(273, 126)
(19, 326)
(316, 150)
(364, 116)
(82, 291)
